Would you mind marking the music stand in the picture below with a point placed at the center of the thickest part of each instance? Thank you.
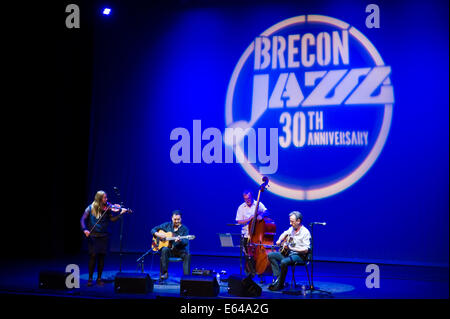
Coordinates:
(226, 240)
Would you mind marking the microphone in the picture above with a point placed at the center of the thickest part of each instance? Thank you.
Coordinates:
(318, 223)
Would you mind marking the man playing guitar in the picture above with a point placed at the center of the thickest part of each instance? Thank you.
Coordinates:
(295, 245)
(178, 248)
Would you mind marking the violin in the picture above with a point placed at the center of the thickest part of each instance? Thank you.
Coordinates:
(116, 207)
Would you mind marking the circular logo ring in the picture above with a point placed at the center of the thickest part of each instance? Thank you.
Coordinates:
(295, 192)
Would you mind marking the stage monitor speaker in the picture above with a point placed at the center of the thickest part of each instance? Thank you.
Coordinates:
(199, 286)
(133, 283)
(53, 279)
(243, 286)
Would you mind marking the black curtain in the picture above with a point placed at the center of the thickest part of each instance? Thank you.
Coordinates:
(46, 125)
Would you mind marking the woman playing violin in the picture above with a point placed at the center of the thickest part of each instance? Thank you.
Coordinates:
(94, 223)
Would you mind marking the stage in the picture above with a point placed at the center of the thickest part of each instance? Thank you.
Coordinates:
(343, 280)
(320, 117)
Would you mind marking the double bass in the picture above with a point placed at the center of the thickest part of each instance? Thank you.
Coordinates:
(261, 235)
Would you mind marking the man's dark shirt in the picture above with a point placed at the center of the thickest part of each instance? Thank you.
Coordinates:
(182, 231)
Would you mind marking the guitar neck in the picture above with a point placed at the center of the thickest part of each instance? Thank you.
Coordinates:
(174, 238)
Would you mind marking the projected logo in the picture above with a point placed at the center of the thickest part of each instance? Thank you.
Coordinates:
(326, 88)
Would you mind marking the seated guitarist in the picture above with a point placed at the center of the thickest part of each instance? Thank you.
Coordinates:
(177, 248)
(294, 250)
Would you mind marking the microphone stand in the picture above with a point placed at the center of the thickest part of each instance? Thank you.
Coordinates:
(312, 288)
(116, 190)
(140, 260)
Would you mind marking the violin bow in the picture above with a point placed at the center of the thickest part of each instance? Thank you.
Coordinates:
(108, 207)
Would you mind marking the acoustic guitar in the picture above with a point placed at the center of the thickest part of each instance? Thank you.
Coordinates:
(158, 243)
(284, 250)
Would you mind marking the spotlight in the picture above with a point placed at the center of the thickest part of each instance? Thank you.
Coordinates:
(106, 11)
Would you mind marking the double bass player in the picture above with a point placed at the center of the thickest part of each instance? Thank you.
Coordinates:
(257, 232)
(244, 216)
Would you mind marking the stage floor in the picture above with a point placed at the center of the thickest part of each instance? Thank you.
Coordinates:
(343, 280)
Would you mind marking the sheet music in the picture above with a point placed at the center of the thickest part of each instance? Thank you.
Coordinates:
(226, 240)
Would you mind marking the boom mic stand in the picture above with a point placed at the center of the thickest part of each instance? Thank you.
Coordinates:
(312, 288)
(140, 260)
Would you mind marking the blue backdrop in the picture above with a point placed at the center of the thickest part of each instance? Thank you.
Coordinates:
(158, 68)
